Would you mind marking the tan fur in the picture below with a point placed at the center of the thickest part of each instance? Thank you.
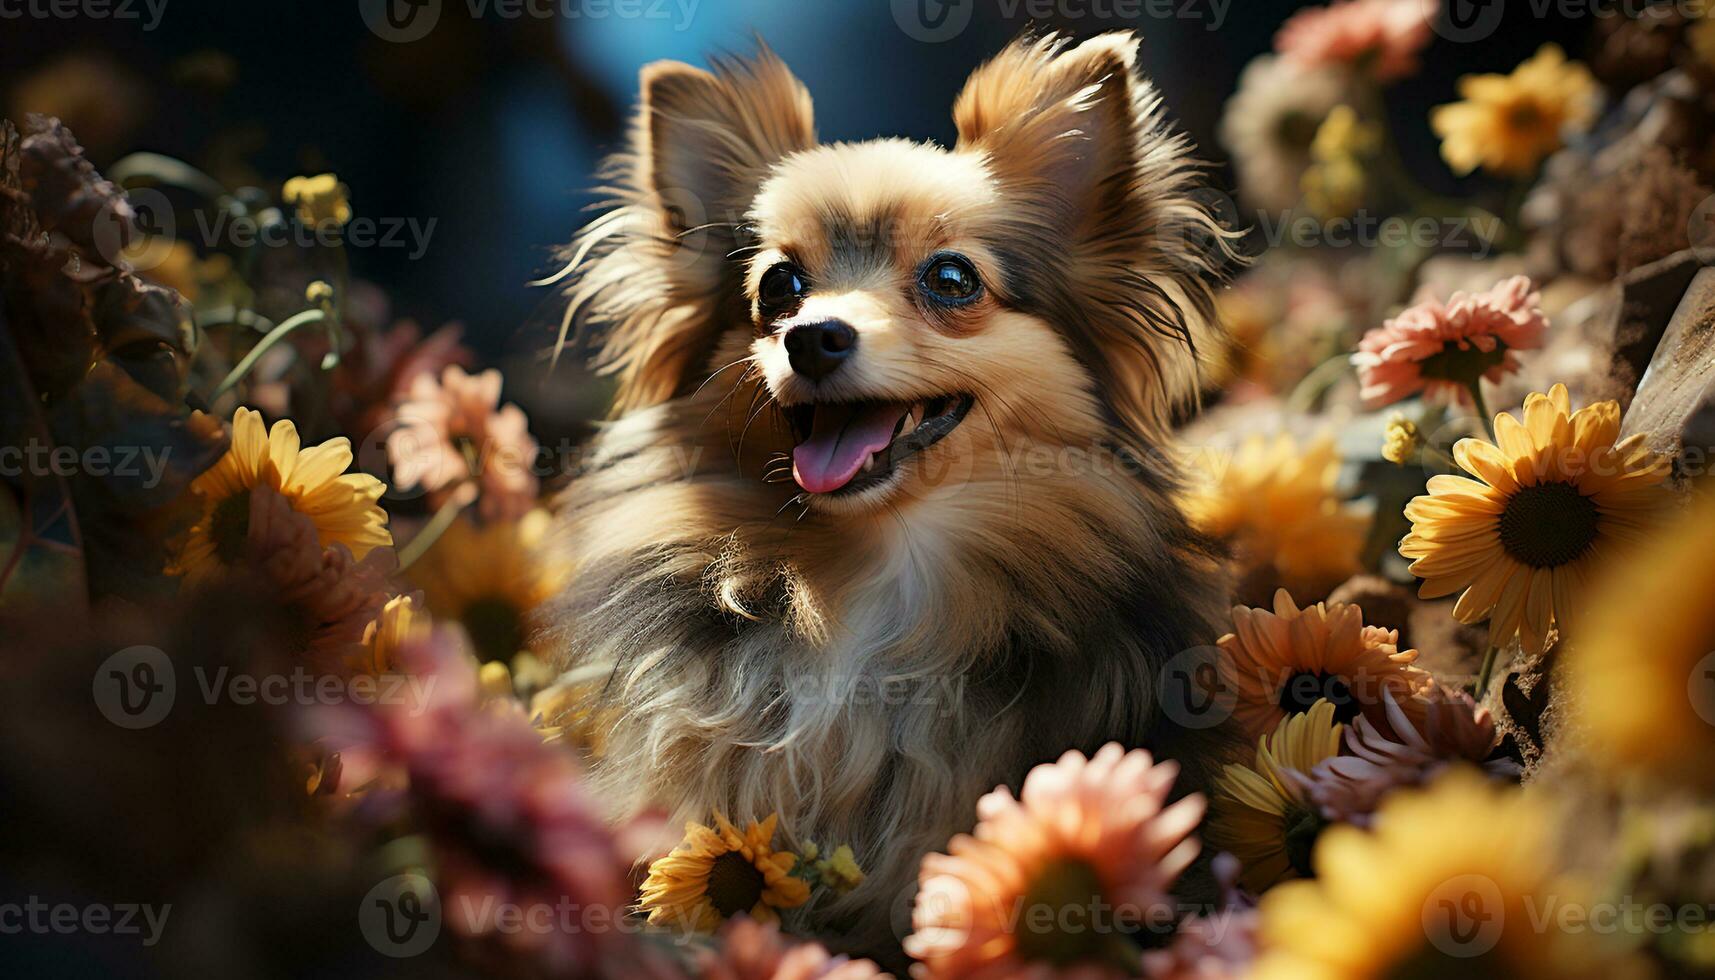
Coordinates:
(1017, 589)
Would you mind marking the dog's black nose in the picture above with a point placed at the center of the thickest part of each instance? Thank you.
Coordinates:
(817, 349)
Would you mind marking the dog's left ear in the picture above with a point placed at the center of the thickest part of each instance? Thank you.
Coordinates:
(1106, 232)
(1058, 125)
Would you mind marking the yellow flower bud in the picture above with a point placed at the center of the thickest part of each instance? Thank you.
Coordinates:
(319, 200)
(1403, 441)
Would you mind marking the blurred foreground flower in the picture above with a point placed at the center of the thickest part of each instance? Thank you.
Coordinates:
(1261, 814)
(454, 430)
(1381, 38)
(1643, 672)
(342, 506)
(1451, 882)
(1090, 842)
(1446, 349)
(1546, 506)
(719, 872)
(1270, 123)
(1283, 662)
(490, 578)
(1507, 124)
(1277, 506)
(1215, 945)
(509, 821)
(752, 950)
(1450, 730)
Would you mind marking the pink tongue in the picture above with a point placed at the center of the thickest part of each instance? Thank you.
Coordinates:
(843, 436)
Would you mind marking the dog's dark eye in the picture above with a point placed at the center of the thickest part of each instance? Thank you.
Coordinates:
(781, 286)
(950, 279)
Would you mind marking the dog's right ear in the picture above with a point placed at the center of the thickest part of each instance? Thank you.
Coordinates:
(658, 273)
(707, 139)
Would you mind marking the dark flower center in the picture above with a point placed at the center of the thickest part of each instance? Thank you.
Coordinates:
(1462, 365)
(1548, 525)
(1303, 689)
(1430, 963)
(495, 626)
(1296, 130)
(1526, 117)
(1303, 827)
(734, 884)
(1060, 922)
(230, 527)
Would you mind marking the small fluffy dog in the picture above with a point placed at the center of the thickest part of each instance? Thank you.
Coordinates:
(886, 518)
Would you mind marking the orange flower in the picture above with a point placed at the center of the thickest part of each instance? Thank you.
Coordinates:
(1280, 663)
(1056, 882)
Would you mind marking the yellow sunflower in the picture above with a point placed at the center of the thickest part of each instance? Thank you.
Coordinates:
(1278, 507)
(490, 578)
(1452, 882)
(719, 872)
(1260, 814)
(342, 506)
(1643, 670)
(1547, 503)
(1507, 124)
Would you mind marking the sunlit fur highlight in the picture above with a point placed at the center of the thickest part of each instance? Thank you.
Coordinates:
(1022, 608)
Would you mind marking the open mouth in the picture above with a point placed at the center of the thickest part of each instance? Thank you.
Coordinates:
(846, 447)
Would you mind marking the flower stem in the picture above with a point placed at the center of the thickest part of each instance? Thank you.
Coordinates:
(1314, 385)
(432, 531)
(1481, 407)
(1487, 671)
(274, 336)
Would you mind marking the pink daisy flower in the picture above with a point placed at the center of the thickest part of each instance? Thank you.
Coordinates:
(453, 436)
(507, 816)
(1217, 945)
(1382, 36)
(1062, 880)
(751, 950)
(1443, 349)
(1449, 729)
